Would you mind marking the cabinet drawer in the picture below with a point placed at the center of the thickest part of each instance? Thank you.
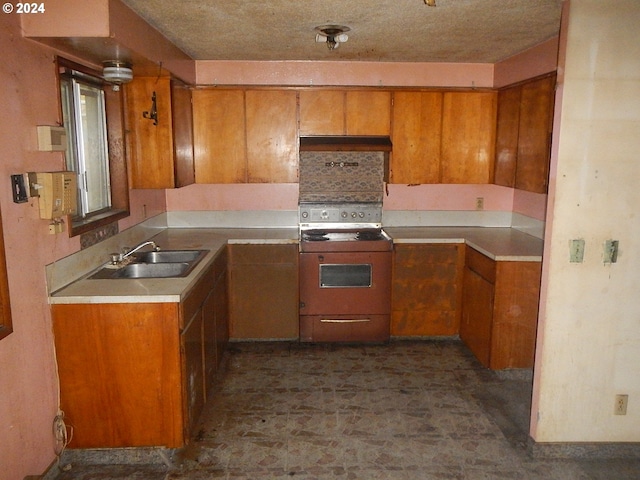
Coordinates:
(262, 254)
(481, 264)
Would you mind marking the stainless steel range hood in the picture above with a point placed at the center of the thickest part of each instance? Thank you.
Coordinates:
(345, 143)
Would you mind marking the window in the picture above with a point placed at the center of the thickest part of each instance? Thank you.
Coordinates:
(83, 113)
(92, 117)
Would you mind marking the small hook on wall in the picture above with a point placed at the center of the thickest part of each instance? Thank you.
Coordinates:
(153, 113)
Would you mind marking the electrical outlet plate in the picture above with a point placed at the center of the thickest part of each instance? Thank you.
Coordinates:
(610, 253)
(620, 407)
(576, 250)
(480, 203)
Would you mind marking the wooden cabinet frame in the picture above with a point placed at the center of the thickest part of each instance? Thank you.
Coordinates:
(6, 326)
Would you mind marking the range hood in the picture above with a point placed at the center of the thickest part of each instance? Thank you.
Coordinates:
(345, 143)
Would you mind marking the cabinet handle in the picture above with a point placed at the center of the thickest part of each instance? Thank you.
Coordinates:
(345, 320)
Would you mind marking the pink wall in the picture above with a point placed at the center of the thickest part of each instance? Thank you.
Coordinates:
(448, 197)
(536, 61)
(250, 196)
(28, 401)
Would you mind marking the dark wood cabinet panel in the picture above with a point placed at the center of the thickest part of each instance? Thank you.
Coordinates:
(263, 285)
(523, 143)
(416, 136)
(507, 136)
(426, 289)
(534, 137)
(500, 310)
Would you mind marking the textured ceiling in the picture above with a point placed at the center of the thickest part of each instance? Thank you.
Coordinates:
(474, 31)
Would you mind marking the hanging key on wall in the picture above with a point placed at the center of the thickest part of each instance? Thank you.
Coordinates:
(153, 113)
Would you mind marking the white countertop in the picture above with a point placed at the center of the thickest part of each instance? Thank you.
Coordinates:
(501, 244)
(497, 243)
(169, 290)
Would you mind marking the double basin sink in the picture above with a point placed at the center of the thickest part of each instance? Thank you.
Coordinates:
(155, 264)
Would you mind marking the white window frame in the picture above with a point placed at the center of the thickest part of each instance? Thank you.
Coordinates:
(92, 168)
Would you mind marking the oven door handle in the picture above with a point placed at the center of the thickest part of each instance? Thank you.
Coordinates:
(345, 320)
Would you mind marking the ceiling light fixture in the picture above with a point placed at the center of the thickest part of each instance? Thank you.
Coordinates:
(117, 72)
(431, 3)
(334, 35)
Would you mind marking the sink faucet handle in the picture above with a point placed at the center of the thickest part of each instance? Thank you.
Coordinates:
(115, 258)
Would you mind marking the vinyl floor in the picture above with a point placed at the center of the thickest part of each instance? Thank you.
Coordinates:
(407, 410)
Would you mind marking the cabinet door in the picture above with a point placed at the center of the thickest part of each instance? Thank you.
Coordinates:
(426, 289)
(219, 136)
(120, 373)
(150, 147)
(322, 112)
(263, 283)
(221, 305)
(182, 134)
(209, 340)
(416, 137)
(515, 317)
(272, 136)
(468, 137)
(193, 367)
(368, 112)
(534, 141)
(477, 315)
(508, 124)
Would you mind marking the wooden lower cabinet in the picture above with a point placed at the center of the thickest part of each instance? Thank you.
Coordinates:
(263, 283)
(426, 289)
(500, 310)
(136, 374)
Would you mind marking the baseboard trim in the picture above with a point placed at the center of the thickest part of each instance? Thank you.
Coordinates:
(586, 450)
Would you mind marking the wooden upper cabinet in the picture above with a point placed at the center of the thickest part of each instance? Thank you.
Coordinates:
(322, 112)
(508, 125)
(416, 137)
(468, 137)
(534, 137)
(272, 136)
(368, 112)
(219, 136)
(182, 113)
(159, 155)
(345, 112)
(523, 143)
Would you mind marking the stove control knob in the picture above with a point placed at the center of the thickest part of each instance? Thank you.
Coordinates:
(305, 214)
(324, 214)
(344, 214)
(361, 214)
(354, 214)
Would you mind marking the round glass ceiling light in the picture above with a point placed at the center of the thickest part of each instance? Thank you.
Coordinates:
(117, 72)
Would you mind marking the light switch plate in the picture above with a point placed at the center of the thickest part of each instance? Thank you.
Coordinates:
(576, 250)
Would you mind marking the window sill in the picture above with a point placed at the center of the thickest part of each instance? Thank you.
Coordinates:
(87, 224)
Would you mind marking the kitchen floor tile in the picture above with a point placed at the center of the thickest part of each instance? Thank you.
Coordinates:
(410, 410)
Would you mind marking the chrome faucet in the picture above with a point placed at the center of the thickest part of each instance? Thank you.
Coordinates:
(117, 258)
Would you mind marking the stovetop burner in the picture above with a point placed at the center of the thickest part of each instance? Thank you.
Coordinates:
(369, 235)
(315, 236)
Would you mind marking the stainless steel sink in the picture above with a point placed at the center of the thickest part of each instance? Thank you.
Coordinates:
(152, 270)
(160, 264)
(170, 256)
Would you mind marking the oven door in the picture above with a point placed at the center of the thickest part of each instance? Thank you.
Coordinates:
(340, 283)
